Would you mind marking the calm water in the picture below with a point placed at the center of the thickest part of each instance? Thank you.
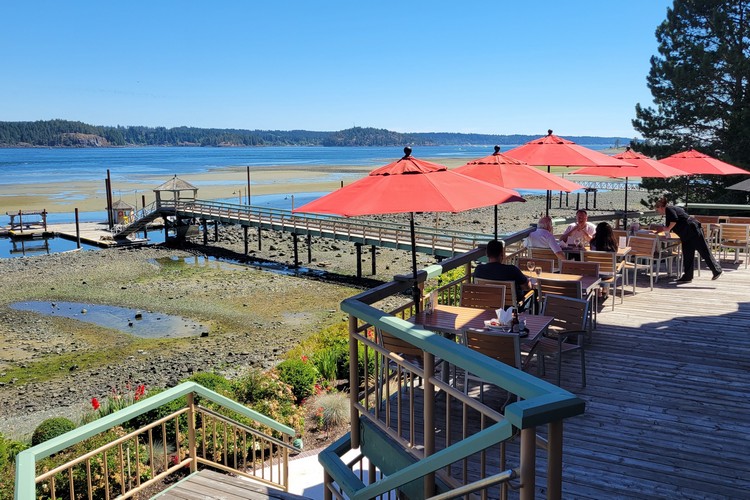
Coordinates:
(37, 166)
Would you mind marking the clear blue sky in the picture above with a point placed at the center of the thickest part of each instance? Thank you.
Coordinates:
(498, 67)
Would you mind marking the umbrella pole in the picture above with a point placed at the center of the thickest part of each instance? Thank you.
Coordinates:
(495, 221)
(687, 189)
(625, 214)
(415, 288)
(549, 195)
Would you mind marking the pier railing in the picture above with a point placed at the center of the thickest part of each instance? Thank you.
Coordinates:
(443, 242)
(122, 464)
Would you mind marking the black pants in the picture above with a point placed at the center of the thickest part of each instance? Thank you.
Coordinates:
(692, 241)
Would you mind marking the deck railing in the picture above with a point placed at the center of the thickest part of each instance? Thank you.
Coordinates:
(125, 463)
(466, 446)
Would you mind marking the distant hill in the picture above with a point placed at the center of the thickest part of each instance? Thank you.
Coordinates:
(63, 133)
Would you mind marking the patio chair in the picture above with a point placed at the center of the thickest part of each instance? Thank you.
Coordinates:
(662, 253)
(738, 220)
(734, 237)
(641, 256)
(408, 352)
(546, 254)
(482, 296)
(547, 265)
(566, 288)
(526, 302)
(504, 347)
(565, 334)
(610, 270)
(584, 269)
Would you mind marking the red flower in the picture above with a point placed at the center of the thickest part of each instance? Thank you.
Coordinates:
(140, 391)
(95, 403)
(304, 359)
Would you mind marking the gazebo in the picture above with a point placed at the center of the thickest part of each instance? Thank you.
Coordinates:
(179, 189)
(122, 213)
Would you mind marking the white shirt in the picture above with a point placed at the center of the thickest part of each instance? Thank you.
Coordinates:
(541, 238)
(573, 232)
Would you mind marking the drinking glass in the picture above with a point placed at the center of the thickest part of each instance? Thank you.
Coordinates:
(577, 241)
(530, 264)
(538, 271)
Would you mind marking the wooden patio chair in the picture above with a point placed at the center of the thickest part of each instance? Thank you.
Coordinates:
(738, 220)
(566, 288)
(735, 237)
(566, 333)
(662, 253)
(527, 301)
(547, 265)
(504, 347)
(610, 270)
(409, 352)
(482, 296)
(641, 257)
(546, 254)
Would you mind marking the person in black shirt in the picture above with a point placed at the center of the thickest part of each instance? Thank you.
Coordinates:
(495, 270)
(691, 236)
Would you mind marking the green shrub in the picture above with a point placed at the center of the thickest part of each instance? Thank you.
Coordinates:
(301, 374)
(8, 450)
(51, 428)
(159, 413)
(328, 361)
(266, 393)
(213, 381)
(333, 409)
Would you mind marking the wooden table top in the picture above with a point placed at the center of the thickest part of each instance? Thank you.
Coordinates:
(587, 282)
(455, 319)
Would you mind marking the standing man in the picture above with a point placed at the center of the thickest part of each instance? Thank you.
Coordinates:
(691, 237)
(581, 230)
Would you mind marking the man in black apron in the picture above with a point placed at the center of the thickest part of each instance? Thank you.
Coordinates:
(691, 236)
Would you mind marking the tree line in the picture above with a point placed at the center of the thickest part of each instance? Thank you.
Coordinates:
(64, 133)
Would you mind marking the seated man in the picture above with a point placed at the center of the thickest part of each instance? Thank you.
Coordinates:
(542, 237)
(494, 269)
(581, 230)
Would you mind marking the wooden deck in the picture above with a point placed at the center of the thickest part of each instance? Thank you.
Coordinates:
(667, 396)
(210, 485)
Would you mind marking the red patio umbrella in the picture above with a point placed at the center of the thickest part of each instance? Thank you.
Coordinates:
(554, 151)
(694, 163)
(507, 172)
(643, 166)
(410, 185)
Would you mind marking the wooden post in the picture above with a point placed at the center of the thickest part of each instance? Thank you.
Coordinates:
(358, 246)
(78, 231)
(145, 226)
(528, 463)
(259, 239)
(248, 185)
(216, 231)
(309, 248)
(578, 201)
(595, 198)
(205, 231)
(372, 258)
(587, 199)
(554, 459)
(109, 208)
(560, 199)
(192, 449)
(244, 231)
(294, 247)
(428, 425)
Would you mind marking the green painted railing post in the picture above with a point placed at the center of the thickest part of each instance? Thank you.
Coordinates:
(191, 432)
(353, 381)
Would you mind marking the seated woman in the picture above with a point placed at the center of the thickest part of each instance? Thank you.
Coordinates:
(604, 239)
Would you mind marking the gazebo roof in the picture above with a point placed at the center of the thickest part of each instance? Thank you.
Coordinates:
(175, 184)
(120, 205)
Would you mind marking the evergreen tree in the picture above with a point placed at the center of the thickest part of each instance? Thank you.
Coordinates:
(700, 81)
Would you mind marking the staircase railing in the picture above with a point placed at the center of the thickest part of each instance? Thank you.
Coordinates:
(123, 462)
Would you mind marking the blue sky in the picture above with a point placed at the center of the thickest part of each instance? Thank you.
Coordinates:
(497, 67)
